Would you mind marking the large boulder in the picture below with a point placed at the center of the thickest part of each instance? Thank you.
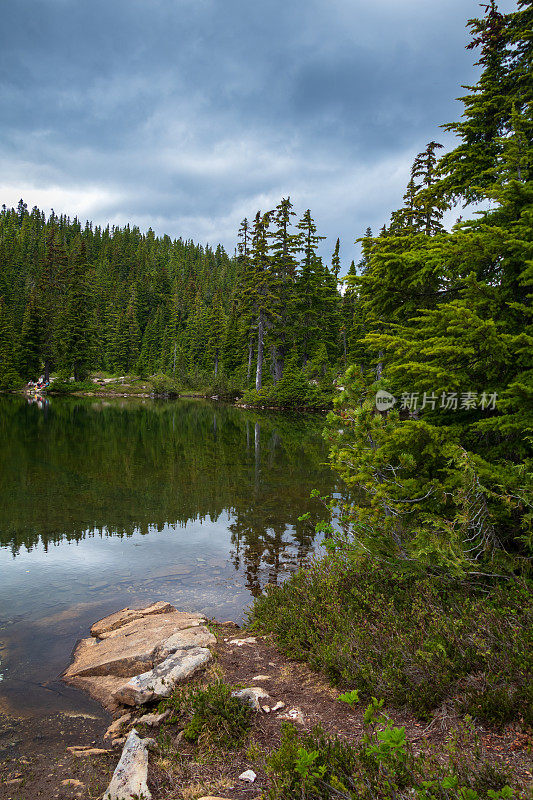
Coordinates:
(131, 643)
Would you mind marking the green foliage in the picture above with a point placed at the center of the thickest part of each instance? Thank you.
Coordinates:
(164, 386)
(410, 637)
(350, 697)
(62, 386)
(315, 766)
(448, 314)
(211, 716)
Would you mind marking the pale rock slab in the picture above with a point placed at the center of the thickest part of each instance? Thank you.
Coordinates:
(294, 715)
(166, 623)
(252, 696)
(115, 728)
(120, 618)
(83, 751)
(133, 642)
(185, 640)
(131, 772)
(159, 682)
(152, 720)
(240, 642)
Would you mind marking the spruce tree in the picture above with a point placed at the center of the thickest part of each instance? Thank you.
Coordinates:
(308, 288)
(284, 263)
(29, 350)
(462, 347)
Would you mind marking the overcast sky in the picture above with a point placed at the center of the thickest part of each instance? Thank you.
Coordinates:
(187, 115)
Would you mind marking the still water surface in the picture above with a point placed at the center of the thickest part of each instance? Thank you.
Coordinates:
(113, 503)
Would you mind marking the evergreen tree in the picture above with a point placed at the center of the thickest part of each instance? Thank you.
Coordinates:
(29, 351)
(457, 346)
(50, 295)
(8, 375)
(76, 333)
(284, 263)
(308, 287)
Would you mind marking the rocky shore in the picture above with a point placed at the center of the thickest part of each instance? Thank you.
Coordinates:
(140, 663)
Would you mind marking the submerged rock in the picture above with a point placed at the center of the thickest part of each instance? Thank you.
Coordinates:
(131, 772)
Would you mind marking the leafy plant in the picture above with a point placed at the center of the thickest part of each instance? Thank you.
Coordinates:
(211, 715)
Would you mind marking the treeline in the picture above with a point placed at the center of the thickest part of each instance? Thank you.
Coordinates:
(75, 299)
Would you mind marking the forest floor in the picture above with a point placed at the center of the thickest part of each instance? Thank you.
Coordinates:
(35, 761)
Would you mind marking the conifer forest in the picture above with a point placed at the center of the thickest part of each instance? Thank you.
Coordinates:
(335, 458)
(439, 319)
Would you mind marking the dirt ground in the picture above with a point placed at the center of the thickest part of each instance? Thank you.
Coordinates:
(34, 761)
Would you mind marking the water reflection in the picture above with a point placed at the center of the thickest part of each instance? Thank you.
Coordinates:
(79, 469)
(105, 504)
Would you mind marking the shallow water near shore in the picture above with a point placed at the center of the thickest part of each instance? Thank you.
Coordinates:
(106, 504)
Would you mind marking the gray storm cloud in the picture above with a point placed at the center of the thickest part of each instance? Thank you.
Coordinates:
(187, 115)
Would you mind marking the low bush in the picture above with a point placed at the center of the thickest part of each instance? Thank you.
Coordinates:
(63, 386)
(414, 639)
(164, 386)
(224, 387)
(10, 381)
(292, 391)
(382, 766)
(211, 716)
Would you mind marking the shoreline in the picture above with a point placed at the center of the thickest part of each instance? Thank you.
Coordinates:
(71, 756)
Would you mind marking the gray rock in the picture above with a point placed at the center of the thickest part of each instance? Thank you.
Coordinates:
(131, 772)
(249, 776)
(159, 682)
(132, 642)
(294, 715)
(120, 618)
(246, 640)
(185, 640)
(252, 696)
(154, 719)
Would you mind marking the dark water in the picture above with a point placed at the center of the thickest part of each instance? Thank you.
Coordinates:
(105, 504)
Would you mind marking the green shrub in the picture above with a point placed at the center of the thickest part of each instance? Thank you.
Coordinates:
(382, 766)
(224, 387)
(64, 386)
(164, 386)
(415, 639)
(211, 716)
(10, 381)
(292, 391)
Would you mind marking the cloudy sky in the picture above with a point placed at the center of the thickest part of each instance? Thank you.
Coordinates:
(187, 115)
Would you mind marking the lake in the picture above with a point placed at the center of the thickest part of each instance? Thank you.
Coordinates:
(113, 503)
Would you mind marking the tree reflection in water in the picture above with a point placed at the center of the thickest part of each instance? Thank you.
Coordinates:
(92, 467)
